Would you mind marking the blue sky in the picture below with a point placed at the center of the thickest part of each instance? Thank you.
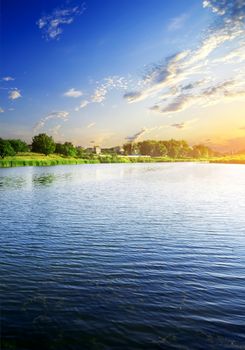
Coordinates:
(108, 71)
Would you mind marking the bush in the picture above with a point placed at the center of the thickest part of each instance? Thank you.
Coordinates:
(6, 149)
(43, 143)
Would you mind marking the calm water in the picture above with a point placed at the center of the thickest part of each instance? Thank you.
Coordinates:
(123, 256)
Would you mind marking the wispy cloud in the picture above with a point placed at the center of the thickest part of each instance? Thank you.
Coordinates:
(109, 83)
(135, 137)
(186, 78)
(178, 125)
(1, 110)
(7, 78)
(177, 22)
(146, 131)
(221, 91)
(51, 24)
(83, 104)
(73, 93)
(183, 125)
(90, 125)
(54, 131)
(102, 89)
(178, 104)
(14, 94)
(54, 115)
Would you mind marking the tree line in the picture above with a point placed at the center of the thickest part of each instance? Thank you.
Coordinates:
(170, 148)
(41, 143)
(45, 144)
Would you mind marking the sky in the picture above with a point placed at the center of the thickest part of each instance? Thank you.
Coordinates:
(106, 72)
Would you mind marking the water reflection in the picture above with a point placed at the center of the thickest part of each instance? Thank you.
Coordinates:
(32, 179)
(44, 180)
(12, 182)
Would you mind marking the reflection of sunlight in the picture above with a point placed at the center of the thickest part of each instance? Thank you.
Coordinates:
(109, 172)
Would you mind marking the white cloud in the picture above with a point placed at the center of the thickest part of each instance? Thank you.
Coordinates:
(184, 79)
(1, 110)
(7, 78)
(221, 91)
(231, 10)
(14, 94)
(235, 56)
(73, 93)
(103, 88)
(108, 84)
(99, 94)
(84, 103)
(54, 115)
(51, 25)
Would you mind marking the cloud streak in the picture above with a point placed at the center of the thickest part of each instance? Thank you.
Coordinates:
(63, 115)
(73, 93)
(7, 78)
(90, 125)
(135, 137)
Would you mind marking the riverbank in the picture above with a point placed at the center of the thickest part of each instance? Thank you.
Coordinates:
(38, 159)
(236, 159)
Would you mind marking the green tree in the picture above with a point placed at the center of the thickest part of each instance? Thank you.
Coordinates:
(59, 148)
(128, 148)
(146, 148)
(43, 143)
(81, 152)
(173, 148)
(69, 150)
(185, 150)
(6, 149)
(160, 150)
(19, 145)
(201, 151)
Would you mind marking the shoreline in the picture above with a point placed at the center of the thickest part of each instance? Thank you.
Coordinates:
(41, 160)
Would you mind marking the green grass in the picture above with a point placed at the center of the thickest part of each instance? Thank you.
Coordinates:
(38, 159)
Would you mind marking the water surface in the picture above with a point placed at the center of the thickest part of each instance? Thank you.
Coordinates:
(123, 256)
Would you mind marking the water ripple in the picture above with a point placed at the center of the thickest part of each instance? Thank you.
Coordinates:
(126, 256)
